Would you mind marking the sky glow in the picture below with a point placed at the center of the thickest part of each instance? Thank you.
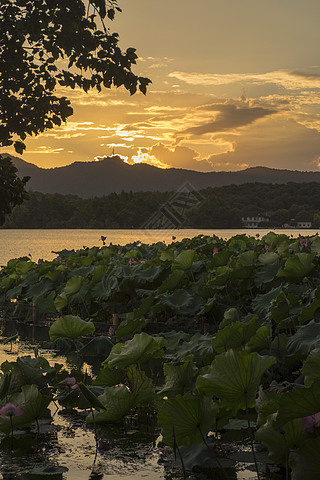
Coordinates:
(235, 84)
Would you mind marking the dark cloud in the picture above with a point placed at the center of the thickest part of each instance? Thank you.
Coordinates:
(229, 117)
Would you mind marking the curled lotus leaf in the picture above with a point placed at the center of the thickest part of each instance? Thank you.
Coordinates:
(140, 349)
(70, 326)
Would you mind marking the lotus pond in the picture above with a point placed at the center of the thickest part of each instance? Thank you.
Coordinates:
(206, 350)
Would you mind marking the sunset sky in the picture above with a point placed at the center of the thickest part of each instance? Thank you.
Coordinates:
(236, 83)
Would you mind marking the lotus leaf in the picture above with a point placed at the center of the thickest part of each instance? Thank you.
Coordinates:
(172, 281)
(33, 404)
(110, 376)
(311, 367)
(129, 326)
(140, 349)
(234, 377)
(117, 401)
(184, 260)
(178, 378)
(297, 267)
(190, 417)
(261, 303)
(182, 302)
(305, 461)
(235, 335)
(99, 346)
(199, 345)
(140, 385)
(298, 403)
(306, 339)
(70, 326)
(73, 285)
(260, 340)
(60, 302)
(279, 444)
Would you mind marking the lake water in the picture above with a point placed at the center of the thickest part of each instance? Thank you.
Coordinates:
(40, 243)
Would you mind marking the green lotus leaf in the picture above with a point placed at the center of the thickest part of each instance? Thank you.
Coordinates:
(306, 339)
(315, 244)
(73, 285)
(235, 335)
(33, 403)
(34, 370)
(305, 461)
(220, 258)
(268, 258)
(189, 418)
(181, 302)
(173, 339)
(279, 444)
(60, 302)
(70, 326)
(298, 403)
(260, 340)
(199, 345)
(178, 378)
(140, 349)
(184, 260)
(106, 287)
(140, 385)
(99, 346)
(267, 273)
(297, 267)
(234, 377)
(311, 367)
(108, 376)
(129, 326)
(117, 401)
(261, 303)
(172, 281)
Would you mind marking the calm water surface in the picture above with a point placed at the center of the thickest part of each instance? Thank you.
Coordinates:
(40, 243)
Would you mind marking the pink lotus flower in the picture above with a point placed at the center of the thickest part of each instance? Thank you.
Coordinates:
(257, 235)
(132, 261)
(111, 331)
(10, 410)
(215, 250)
(71, 382)
(304, 241)
(40, 261)
(173, 237)
(311, 422)
(58, 259)
(228, 265)
(142, 261)
(103, 239)
(266, 247)
(119, 252)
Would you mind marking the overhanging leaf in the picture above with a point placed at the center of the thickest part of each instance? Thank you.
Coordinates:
(70, 326)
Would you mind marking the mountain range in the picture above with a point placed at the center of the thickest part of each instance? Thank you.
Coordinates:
(111, 174)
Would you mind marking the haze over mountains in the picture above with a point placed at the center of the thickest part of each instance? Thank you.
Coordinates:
(111, 174)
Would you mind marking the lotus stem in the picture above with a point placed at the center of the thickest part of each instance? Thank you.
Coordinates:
(176, 449)
(252, 440)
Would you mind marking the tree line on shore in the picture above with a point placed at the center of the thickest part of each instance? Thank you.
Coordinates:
(221, 207)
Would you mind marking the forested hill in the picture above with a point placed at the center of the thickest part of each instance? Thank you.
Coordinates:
(219, 207)
(111, 174)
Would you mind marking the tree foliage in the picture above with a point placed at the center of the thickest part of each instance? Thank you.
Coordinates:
(47, 45)
(12, 190)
